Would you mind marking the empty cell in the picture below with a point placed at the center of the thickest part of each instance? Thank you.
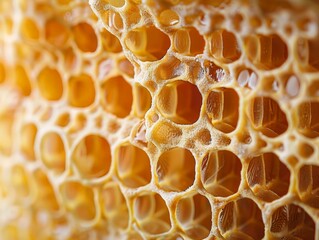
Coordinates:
(63, 119)
(188, 41)
(78, 200)
(133, 166)
(308, 119)
(27, 138)
(305, 150)
(194, 214)
(268, 177)
(147, 43)
(313, 88)
(92, 156)
(151, 213)
(221, 173)
(241, 219)
(168, 17)
(114, 206)
(110, 42)
(52, 151)
(180, 101)
(19, 181)
(81, 91)
(266, 116)
(56, 32)
(113, 19)
(224, 46)
(45, 198)
(306, 50)
(222, 109)
(292, 222)
(29, 29)
(266, 51)
(308, 185)
(175, 170)
(85, 37)
(21, 80)
(50, 84)
(142, 100)
(113, 101)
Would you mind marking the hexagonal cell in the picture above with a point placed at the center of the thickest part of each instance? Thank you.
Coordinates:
(268, 177)
(241, 219)
(188, 41)
(180, 101)
(21, 80)
(81, 92)
(19, 181)
(142, 100)
(194, 214)
(147, 43)
(79, 200)
(85, 37)
(221, 173)
(308, 185)
(112, 19)
(27, 138)
(45, 198)
(52, 151)
(113, 101)
(222, 109)
(306, 50)
(92, 156)
(151, 213)
(266, 116)
(266, 51)
(110, 42)
(176, 170)
(56, 32)
(114, 206)
(292, 222)
(224, 46)
(308, 119)
(133, 166)
(168, 17)
(50, 84)
(29, 29)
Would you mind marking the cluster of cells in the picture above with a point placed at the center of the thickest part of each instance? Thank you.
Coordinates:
(173, 119)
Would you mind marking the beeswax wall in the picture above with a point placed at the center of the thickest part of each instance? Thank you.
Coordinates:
(164, 119)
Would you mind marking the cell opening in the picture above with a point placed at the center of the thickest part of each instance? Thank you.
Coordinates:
(151, 213)
(45, 196)
(85, 37)
(148, 43)
(308, 119)
(63, 120)
(180, 101)
(21, 80)
(113, 101)
(175, 170)
(241, 219)
(2, 72)
(114, 205)
(28, 135)
(188, 41)
(306, 54)
(20, 182)
(221, 173)
(305, 150)
(292, 86)
(29, 29)
(224, 46)
(56, 33)
(268, 177)
(214, 72)
(6, 134)
(81, 92)
(266, 52)
(110, 42)
(117, 3)
(247, 78)
(308, 185)
(92, 156)
(165, 132)
(194, 214)
(50, 84)
(52, 151)
(133, 166)
(223, 109)
(266, 116)
(169, 69)
(168, 17)
(126, 67)
(79, 200)
(291, 221)
(142, 100)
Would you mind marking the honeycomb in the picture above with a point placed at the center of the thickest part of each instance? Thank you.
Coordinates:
(164, 119)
